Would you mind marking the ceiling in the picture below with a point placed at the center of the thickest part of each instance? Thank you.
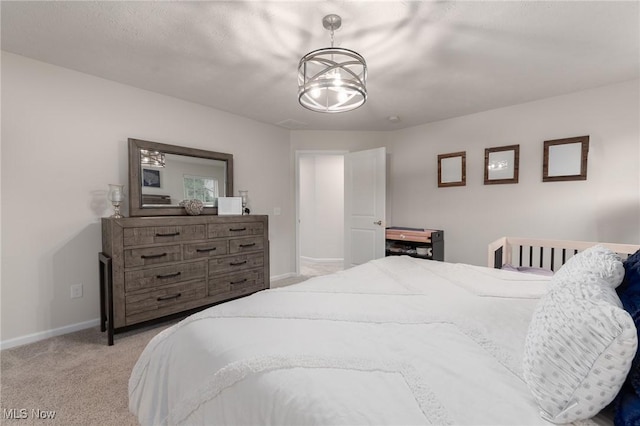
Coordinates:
(427, 60)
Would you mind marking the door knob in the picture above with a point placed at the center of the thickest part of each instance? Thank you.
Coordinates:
(378, 223)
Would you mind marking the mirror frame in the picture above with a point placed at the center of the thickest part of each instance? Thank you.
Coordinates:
(582, 159)
(136, 207)
(463, 169)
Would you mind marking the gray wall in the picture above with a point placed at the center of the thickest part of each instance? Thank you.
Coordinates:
(64, 139)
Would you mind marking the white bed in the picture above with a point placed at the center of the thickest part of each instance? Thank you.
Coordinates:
(395, 341)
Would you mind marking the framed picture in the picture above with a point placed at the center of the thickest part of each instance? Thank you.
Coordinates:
(501, 164)
(229, 205)
(151, 178)
(452, 169)
(565, 159)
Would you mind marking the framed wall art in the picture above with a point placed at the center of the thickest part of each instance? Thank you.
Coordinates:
(229, 205)
(501, 164)
(565, 159)
(452, 169)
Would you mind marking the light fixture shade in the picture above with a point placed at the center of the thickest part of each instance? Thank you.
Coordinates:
(332, 80)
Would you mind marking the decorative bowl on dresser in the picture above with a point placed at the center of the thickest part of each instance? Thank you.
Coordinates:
(154, 268)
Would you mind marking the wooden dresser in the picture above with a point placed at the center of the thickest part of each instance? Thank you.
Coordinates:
(154, 267)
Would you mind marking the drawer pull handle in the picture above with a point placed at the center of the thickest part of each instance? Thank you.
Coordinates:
(172, 234)
(238, 282)
(237, 263)
(205, 250)
(173, 296)
(247, 245)
(153, 256)
(237, 229)
(177, 274)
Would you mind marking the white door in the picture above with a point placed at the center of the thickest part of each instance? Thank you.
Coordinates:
(364, 206)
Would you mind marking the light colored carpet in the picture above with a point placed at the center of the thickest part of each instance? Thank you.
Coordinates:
(312, 269)
(76, 375)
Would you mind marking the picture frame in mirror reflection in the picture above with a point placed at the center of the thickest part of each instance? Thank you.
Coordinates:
(452, 169)
(151, 178)
(501, 164)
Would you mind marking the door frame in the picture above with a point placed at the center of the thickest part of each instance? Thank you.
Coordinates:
(298, 154)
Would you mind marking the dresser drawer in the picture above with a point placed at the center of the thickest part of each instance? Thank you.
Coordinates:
(156, 277)
(245, 244)
(204, 250)
(235, 263)
(219, 230)
(152, 255)
(238, 282)
(162, 234)
(165, 300)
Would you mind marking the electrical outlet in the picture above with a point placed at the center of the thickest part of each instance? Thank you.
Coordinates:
(277, 211)
(76, 291)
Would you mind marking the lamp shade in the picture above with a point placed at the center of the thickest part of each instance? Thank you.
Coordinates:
(332, 80)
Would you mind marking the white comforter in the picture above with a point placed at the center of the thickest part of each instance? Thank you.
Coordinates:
(395, 341)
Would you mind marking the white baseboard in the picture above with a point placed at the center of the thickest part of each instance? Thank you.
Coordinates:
(35, 337)
(322, 259)
(283, 276)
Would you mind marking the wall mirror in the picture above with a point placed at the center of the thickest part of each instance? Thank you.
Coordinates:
(565, 159)
(501, 164)
(452, 169)
(161, 175)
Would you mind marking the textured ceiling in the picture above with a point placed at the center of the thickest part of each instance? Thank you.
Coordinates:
(427, 61)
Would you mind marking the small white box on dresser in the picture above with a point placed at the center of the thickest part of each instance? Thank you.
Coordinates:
(229, 205)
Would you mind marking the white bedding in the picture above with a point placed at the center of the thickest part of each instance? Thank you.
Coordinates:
(395, 341)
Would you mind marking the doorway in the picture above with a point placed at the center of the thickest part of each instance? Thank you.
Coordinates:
(320, 212)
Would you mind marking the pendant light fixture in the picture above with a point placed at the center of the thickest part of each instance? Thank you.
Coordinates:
(332, 79)
(152, 158)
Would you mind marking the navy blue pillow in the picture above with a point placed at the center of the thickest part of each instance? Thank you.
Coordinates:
(628, 400)
(627, 408)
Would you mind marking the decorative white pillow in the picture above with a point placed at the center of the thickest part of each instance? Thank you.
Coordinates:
(580, 342)
(596, 261)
